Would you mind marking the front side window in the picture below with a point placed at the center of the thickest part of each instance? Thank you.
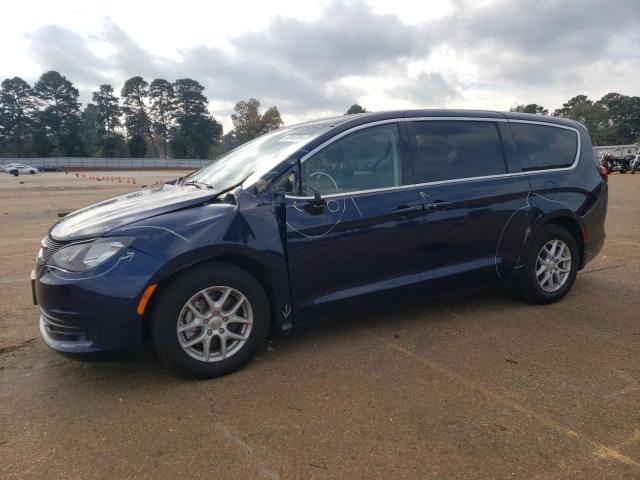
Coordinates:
(453, 149)
(364, 160)
(543, 147)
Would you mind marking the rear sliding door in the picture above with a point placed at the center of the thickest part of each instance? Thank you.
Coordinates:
(475, 206)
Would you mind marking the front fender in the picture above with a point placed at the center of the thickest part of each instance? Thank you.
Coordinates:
(245, 234)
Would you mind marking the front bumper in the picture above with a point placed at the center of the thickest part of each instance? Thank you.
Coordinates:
(63, 341)
(93, 313)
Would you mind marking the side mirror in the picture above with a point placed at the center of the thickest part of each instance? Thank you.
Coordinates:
(316, 206)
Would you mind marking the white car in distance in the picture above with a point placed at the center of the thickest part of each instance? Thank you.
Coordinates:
(20, 168)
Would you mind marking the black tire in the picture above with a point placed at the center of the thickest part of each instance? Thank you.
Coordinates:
(529, 288)
(172, 297)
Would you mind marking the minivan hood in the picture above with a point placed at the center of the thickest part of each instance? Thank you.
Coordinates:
(100, 218)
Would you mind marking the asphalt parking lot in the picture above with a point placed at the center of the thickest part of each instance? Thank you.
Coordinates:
(484, 386)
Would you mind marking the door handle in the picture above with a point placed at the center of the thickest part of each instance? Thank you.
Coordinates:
(438, 204)
(405, 210)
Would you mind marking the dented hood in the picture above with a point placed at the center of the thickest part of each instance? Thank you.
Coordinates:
(100, 218)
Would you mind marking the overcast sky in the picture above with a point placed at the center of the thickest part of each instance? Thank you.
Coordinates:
(314, 59)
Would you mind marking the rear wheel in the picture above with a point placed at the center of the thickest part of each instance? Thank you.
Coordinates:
(210, 321)
(551, 265)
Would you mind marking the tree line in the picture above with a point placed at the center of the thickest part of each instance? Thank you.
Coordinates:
(155, 119)
(162, 118)
(612, 120)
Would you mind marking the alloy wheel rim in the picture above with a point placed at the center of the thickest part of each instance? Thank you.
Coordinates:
(214, 324)
(553, 265)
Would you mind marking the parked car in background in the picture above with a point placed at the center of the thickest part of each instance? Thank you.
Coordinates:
(320, 219)
(20, 168)
(49, 168)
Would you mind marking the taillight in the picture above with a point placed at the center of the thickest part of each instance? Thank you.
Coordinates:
(604, 173)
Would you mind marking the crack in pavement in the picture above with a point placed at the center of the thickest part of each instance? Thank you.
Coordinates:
(603, 268)
(12, 348)
(599, 450)
(257, 462)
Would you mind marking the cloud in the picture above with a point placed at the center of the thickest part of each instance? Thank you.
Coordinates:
(304, 66)
(347, 39)
(56, 47)
(230, 77)
(226, 76)
(428, 89)
(542, 42)
(129, 58)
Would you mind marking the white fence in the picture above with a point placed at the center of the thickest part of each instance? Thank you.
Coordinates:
(108, 163)
(617, 150)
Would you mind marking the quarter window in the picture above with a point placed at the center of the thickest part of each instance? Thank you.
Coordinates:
(364, 160)
(452, 149)
(542, 147)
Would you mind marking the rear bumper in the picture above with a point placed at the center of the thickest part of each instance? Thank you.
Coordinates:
(592, 225)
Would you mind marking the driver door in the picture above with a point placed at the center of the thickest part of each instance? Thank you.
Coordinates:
(357, 244)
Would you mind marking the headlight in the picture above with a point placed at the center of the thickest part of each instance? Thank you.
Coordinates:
(81, 257)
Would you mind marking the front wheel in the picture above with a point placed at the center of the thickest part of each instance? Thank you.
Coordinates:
(210, 321)
(551, 265)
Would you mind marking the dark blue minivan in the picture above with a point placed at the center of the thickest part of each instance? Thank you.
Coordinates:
(321, 218)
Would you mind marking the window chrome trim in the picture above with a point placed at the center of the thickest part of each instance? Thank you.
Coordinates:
(440, 182)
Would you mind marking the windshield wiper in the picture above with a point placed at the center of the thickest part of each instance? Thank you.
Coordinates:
(235, 185)
(197, 184)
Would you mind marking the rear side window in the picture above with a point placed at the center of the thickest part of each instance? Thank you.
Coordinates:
(542, 147)
(452, 149)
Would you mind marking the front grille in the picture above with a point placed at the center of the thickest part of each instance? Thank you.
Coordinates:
(49, 247)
